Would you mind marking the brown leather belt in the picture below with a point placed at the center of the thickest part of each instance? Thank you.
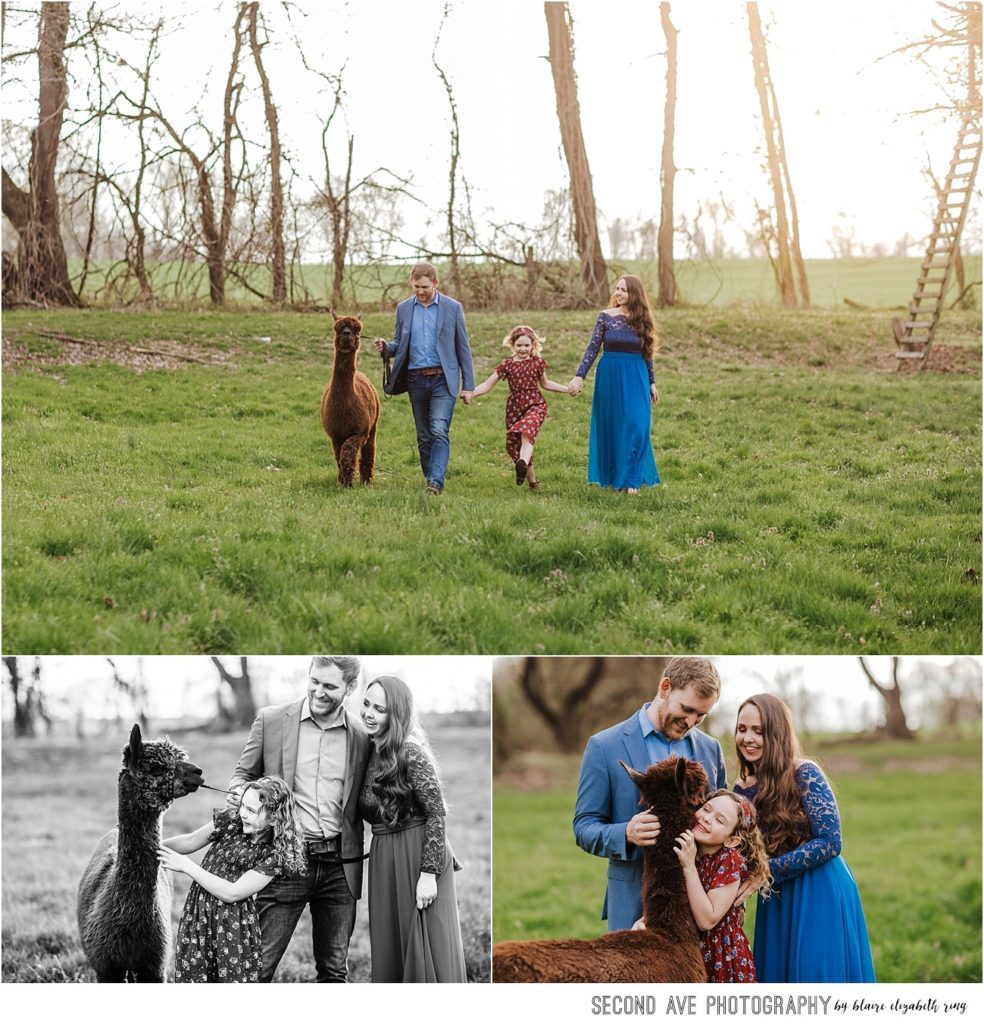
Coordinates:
(429, 371)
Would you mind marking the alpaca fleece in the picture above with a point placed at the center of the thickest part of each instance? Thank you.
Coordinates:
(350, 407)
(667, 950)
(124, 901)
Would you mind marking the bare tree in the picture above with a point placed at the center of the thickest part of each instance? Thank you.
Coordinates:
(786, 227)
(667, 175)
(575, 696)
(40, 272)
(135, 690)
(455, 155)
(594, 273)
(28, 698)
(895, 727)
(243, 709)
(276, 186)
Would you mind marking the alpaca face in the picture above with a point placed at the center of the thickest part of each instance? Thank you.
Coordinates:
(158, 772)
(672, 787)
(348, 330)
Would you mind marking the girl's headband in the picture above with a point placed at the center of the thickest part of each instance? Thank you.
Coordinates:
(518, 332)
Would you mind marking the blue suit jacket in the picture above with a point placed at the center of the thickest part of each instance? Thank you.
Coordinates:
(607, 798)
(452, 346)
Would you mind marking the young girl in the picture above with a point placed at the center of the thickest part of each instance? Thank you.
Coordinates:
(721, 854)
(219, 932)
(526, 408)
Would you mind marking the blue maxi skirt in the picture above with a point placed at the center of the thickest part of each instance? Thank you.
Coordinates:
(620, 452)
(812, 929)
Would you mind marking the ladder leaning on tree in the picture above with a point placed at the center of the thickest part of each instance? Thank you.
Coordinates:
(914, 336)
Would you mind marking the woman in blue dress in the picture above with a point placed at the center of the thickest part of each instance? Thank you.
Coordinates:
(620, 452)
(812, 927)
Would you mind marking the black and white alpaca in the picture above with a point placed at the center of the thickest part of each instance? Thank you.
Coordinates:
(124, 905)
(666, 950)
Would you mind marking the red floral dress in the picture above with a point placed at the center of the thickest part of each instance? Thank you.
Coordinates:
(526, 408)
(727, 955)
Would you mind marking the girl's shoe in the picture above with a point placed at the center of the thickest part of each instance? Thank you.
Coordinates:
(520, 471)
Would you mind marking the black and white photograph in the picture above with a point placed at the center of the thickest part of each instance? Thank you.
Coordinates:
(246, 819)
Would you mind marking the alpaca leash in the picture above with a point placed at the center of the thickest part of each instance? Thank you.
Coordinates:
(342, 860)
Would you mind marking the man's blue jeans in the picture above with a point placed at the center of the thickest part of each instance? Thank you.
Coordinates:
(281, 903)
(433, 407)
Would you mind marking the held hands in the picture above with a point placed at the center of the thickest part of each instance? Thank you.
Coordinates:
(685, 847)
(426, 890)
(466, 397)
(574, 388)
(173, 861)
(643, 829)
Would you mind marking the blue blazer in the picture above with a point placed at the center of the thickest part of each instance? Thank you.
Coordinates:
(452, 346)
(607, 798)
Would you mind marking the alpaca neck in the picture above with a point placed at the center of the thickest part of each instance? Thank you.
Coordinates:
(138, 839)
(344, 365)
(664, 889)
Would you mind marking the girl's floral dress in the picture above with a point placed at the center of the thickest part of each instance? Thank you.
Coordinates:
(220, 941)
(526, 408)
(727, 955)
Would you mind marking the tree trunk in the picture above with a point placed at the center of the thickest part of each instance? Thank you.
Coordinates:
(896, 727)
(760, 63)
(276, 187)
(454, 276)
(664, 243)
(244, 706)
(23, 707)
(42, 266)
(594, 273)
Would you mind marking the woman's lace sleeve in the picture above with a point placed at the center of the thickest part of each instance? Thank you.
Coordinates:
(594, 347)
(821, 809)
(427, 791)
(652, 373)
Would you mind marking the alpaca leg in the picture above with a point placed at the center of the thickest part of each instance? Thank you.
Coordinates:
(111, 975)
(367, 458)
(346, 460)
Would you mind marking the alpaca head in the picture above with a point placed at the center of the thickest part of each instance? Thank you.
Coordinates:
(348, 330)
(157, 772)
(674, 788)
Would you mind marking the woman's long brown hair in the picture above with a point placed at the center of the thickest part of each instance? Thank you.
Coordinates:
(778, 803)
(639, 315)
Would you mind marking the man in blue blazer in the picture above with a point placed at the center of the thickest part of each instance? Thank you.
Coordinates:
(608, 820)
(432, 363)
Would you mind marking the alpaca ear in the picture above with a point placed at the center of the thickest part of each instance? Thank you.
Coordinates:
(131, 754)
(681, 776)
(334, 315)
(635, 776)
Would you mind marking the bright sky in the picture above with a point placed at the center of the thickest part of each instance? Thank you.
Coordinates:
(852, 150)
(186, 684)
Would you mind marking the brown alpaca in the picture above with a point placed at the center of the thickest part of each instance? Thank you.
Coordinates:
(667, 950)
(350, 407)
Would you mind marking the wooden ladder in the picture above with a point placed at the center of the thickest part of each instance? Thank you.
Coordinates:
(914, 336)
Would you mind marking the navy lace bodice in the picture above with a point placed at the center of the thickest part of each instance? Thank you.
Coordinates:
(615, 334)
(821, 809)
(426, 801)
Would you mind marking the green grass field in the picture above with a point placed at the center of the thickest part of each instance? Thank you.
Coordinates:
(59, 797)
(878, 282)
(911, 819)
(813, 500)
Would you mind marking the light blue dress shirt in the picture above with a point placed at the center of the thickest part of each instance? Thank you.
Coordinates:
(423, 335)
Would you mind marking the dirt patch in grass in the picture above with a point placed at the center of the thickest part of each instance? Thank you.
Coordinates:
(44, 351)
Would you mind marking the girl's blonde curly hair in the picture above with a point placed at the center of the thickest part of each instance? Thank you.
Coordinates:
(507, 341)
(289, 849)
